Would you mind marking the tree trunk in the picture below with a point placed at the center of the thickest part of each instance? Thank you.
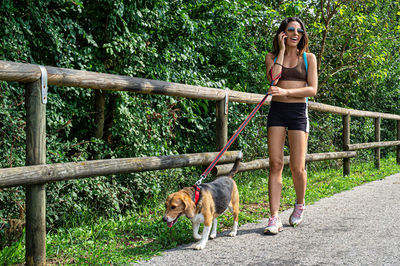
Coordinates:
(99, 113)
(109, 120)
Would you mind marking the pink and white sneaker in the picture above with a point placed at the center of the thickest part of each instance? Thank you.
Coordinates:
(297, 215)
(274, 226)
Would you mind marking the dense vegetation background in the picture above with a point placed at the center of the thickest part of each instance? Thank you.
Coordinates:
(219, 44)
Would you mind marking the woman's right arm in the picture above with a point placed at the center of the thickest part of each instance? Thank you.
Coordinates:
(273, 69)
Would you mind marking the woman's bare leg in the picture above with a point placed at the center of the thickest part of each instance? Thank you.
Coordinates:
(276, 140)
(298, 149)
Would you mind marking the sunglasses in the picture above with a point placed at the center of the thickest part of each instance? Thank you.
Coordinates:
(292, 29)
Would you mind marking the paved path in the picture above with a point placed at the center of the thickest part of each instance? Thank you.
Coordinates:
(356, 227)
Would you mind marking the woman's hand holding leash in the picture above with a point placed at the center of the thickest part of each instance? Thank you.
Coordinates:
(277, 91)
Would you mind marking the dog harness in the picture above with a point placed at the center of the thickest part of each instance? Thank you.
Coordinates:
(196, 195)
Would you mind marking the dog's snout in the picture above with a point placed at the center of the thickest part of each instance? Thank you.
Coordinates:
(165, 219)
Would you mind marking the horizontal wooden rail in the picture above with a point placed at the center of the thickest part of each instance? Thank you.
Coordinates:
(21, 72)
(370, 145)
(10, 71)
(38, 174)
(224, 169)
(344, 111)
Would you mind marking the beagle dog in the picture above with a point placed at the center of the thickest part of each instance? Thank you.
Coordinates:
(214, 199)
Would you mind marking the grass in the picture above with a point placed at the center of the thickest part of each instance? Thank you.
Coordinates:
(140, 236)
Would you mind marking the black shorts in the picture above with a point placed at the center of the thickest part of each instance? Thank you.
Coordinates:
(294, 116)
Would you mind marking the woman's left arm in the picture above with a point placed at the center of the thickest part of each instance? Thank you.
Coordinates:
(312, 81)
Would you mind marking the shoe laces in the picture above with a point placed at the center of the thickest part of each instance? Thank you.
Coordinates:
(273, 221)
(298, 210)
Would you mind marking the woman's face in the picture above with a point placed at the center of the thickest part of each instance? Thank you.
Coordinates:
(294, 33)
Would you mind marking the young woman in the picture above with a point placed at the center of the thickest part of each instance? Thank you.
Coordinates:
(295, 71)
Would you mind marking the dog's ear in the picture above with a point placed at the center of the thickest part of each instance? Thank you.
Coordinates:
(189, 206)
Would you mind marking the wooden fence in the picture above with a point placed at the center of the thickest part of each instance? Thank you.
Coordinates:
(36, 174)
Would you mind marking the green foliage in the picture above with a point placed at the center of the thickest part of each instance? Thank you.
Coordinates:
(220, 44)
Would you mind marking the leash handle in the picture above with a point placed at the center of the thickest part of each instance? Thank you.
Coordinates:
(232, 139)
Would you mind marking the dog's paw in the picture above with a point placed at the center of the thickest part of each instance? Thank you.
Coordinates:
(212, 236)
(232, 234)
(200, 246)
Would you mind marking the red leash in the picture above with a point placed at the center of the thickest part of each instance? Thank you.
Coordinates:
(232, 139)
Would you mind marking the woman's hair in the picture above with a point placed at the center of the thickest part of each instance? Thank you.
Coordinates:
(302, 45)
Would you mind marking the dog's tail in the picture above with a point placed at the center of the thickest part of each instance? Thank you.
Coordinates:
(235, 167)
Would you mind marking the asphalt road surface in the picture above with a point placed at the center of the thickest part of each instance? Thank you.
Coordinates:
(356, 227)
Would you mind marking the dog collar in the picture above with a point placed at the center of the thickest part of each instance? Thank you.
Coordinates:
(196, 194)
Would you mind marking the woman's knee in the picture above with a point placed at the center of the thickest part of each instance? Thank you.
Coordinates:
(298, 171)
(275, 165)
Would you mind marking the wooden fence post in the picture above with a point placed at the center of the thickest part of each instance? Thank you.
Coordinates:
(398, 138)
(377, 139)
(222, 124)
(36, 194)
(346, 141)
